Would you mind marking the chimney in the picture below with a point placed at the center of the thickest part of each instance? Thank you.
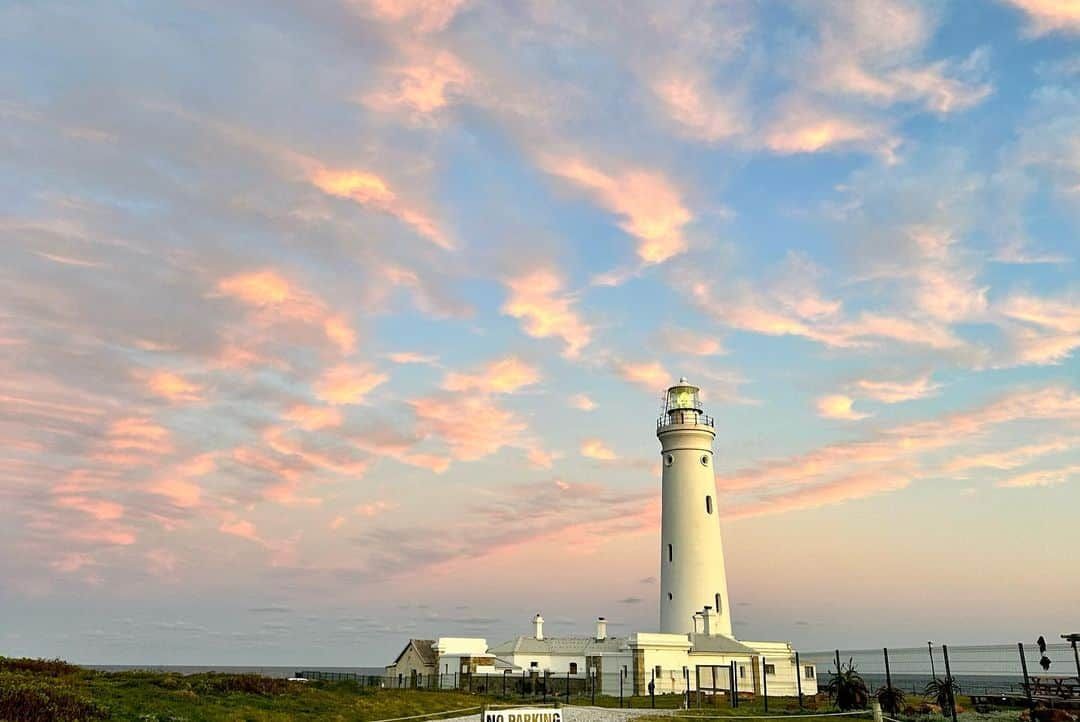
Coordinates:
(601, 629)
(707, 617)
(538, 625)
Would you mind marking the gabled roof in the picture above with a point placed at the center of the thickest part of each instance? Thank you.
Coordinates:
(718, 643)
(564, 646)
(425, 648)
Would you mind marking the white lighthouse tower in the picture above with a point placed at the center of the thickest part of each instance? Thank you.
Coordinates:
(693, 583)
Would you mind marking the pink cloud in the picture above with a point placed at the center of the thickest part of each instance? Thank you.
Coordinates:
(502, 376)
(650, 375)
(368, 189)
(97, 508)
(649, 203)
(312, 418)
(412, 357)
(596, 449)
(838, 406)
(73, 562)
(425, 84)
(236, 526)
(582, 401)
(348, 383)
(173, 387)
(182, 492)
(701, 112)
(894, 392)
(1047, 16)
(538, 300)
(423, 16)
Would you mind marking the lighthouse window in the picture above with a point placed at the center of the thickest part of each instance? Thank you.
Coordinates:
(669, 460)
(573, 668)
(704, 459)
(669, 596)
(770, 669)
(670, 553)
(708, 504)
(719, 609)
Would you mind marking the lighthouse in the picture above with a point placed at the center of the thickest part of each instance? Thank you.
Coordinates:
(693, 583)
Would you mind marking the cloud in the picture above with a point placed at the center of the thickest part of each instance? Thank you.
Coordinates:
(422, 16)
(838, 406)
(97, 508)
(412, 357)
(894, 392)
(596, 449)
(348, 383)
(582, 401)
(503, 376)
(312, 418)
(650, 205)
(538, 300)
(173, 387)
(1009, 458)
(369, 189)
(630, 600)
(648, 374)
(1048, 16)
(427, 83)
(1044, 477)
(701, 112)
(236, 526)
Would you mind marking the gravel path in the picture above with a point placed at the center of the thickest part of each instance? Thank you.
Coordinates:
(585, 714)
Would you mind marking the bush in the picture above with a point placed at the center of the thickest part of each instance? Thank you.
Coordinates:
(943, 692)
(26, 701)
(213, 683)
(50, 667)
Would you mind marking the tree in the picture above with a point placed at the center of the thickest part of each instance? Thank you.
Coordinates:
(847, 688)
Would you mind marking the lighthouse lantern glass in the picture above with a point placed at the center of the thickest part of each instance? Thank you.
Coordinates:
(682, 397)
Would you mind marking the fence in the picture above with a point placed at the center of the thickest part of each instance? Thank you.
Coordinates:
(1001, 675)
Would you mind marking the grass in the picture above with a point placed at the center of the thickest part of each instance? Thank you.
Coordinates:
(31, 691)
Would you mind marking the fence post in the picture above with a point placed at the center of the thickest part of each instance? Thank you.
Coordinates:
(592, 683)
(568, 686)
(697, 683)
(949, 681)
(1027, 682)
(888, 680)
(547, 675)
(764, 684)
(686, 684)
(838, 661)
(652, 688)
(734, 683)
(875, 707)
(523, 683)
(933, 673)
(622, 675)
(798, 679)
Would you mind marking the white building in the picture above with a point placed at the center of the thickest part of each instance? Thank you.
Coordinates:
(695, 648)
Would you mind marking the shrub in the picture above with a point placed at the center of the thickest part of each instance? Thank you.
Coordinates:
(34, 701)
(50, 667)
(213, 683)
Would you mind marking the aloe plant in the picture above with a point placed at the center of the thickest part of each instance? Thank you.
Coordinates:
(847, 688)
(891, 699)
(943, 692)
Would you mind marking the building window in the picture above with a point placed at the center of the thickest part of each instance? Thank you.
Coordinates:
(533, 665)
(669, 460)
(670, 553)
(742, 672)
(658, 672)
(704, 459)
(809, 672)
(708, 504)
(770, 669)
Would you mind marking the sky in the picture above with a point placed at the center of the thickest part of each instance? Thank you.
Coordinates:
(325, 325)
